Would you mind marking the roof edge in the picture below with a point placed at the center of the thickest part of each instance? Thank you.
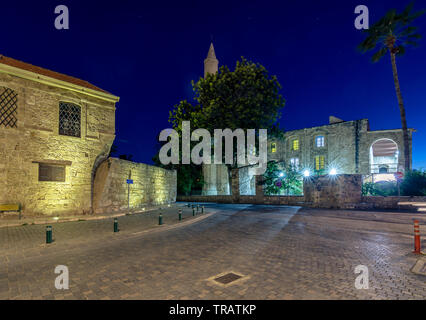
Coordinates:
(29, 75)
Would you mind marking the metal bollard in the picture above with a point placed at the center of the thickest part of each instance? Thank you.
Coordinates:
(48, 234)
(198, 208)
(115, 225)
(160, 220)
(193, 211)
(416, 237)
(202, 209)
(180, 214)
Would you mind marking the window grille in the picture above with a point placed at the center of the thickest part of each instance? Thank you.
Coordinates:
(69, 119)
(8, 107)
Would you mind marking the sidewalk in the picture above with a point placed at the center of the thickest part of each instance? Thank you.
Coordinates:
(31, 233)
(13, 220)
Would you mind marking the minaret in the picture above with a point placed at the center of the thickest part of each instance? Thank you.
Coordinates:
(211, 64)
(216, 177)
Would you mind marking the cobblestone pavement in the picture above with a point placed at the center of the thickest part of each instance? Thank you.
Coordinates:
(282, 252)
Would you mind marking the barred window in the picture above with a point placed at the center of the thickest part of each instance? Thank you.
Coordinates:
(49, 172)
(8, 107)
(69, 119)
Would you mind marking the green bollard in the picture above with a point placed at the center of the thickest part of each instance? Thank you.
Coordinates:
(160, 220)
(115, 225)
(180, 215)
(48, 234)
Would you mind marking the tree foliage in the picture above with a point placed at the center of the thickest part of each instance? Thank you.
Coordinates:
(246, 98)
(279, 179)
(392, 33)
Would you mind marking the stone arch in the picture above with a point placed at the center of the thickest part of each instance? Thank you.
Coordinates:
(98, 161)
(384, 154)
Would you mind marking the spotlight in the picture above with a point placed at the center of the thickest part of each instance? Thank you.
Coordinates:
(333, 172)
(281, 174)
(306, 173)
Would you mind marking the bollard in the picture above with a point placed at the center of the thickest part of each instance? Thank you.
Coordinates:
(48, 234)
(115, 225)
(193, 211)
(198, 208)
(416, 237)
(180, 215)
(202, 209)
(160, 220)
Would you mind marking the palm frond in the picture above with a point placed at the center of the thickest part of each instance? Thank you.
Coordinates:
(379, 54)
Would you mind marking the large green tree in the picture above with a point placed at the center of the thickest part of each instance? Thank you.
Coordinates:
(247, 97)
(393, 34)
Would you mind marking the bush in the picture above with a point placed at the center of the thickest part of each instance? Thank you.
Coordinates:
(414, 183)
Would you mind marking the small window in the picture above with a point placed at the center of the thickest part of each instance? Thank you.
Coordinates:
(320, 141)
(49, 172)
(295, 145)
(319, 162)
(69, 119)
(294, 162)
(8, 107)
(273, 147)
(383, 169)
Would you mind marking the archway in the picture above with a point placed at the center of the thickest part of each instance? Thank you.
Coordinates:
(384, 156)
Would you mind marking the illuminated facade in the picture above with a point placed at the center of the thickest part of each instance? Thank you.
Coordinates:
(54, 132)
(342, 146)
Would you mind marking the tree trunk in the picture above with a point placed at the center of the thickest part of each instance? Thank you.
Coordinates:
(402, 112)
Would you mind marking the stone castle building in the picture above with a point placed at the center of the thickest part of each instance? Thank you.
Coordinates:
(342, 147)
(55, 131)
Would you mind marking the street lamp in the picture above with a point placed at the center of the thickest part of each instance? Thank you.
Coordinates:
(306, 173)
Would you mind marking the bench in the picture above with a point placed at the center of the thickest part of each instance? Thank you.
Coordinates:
(11, 208)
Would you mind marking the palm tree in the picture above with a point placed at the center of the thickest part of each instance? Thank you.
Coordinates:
(393, 34)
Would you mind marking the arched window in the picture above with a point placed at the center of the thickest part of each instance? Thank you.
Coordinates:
(384, 156)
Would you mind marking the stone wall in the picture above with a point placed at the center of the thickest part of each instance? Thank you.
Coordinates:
(341, 191)
(36, 140)
(378, 202)
(151, 186)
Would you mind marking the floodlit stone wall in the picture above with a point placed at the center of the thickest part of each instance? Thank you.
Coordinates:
(341, 191)
(151, 186)
(36, 139)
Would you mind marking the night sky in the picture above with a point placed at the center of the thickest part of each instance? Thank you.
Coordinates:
(147, 52)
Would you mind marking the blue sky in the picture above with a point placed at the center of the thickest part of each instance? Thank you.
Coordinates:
(148, 52)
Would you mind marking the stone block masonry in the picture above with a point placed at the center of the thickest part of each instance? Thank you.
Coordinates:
(151, 186)
(36, 140)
